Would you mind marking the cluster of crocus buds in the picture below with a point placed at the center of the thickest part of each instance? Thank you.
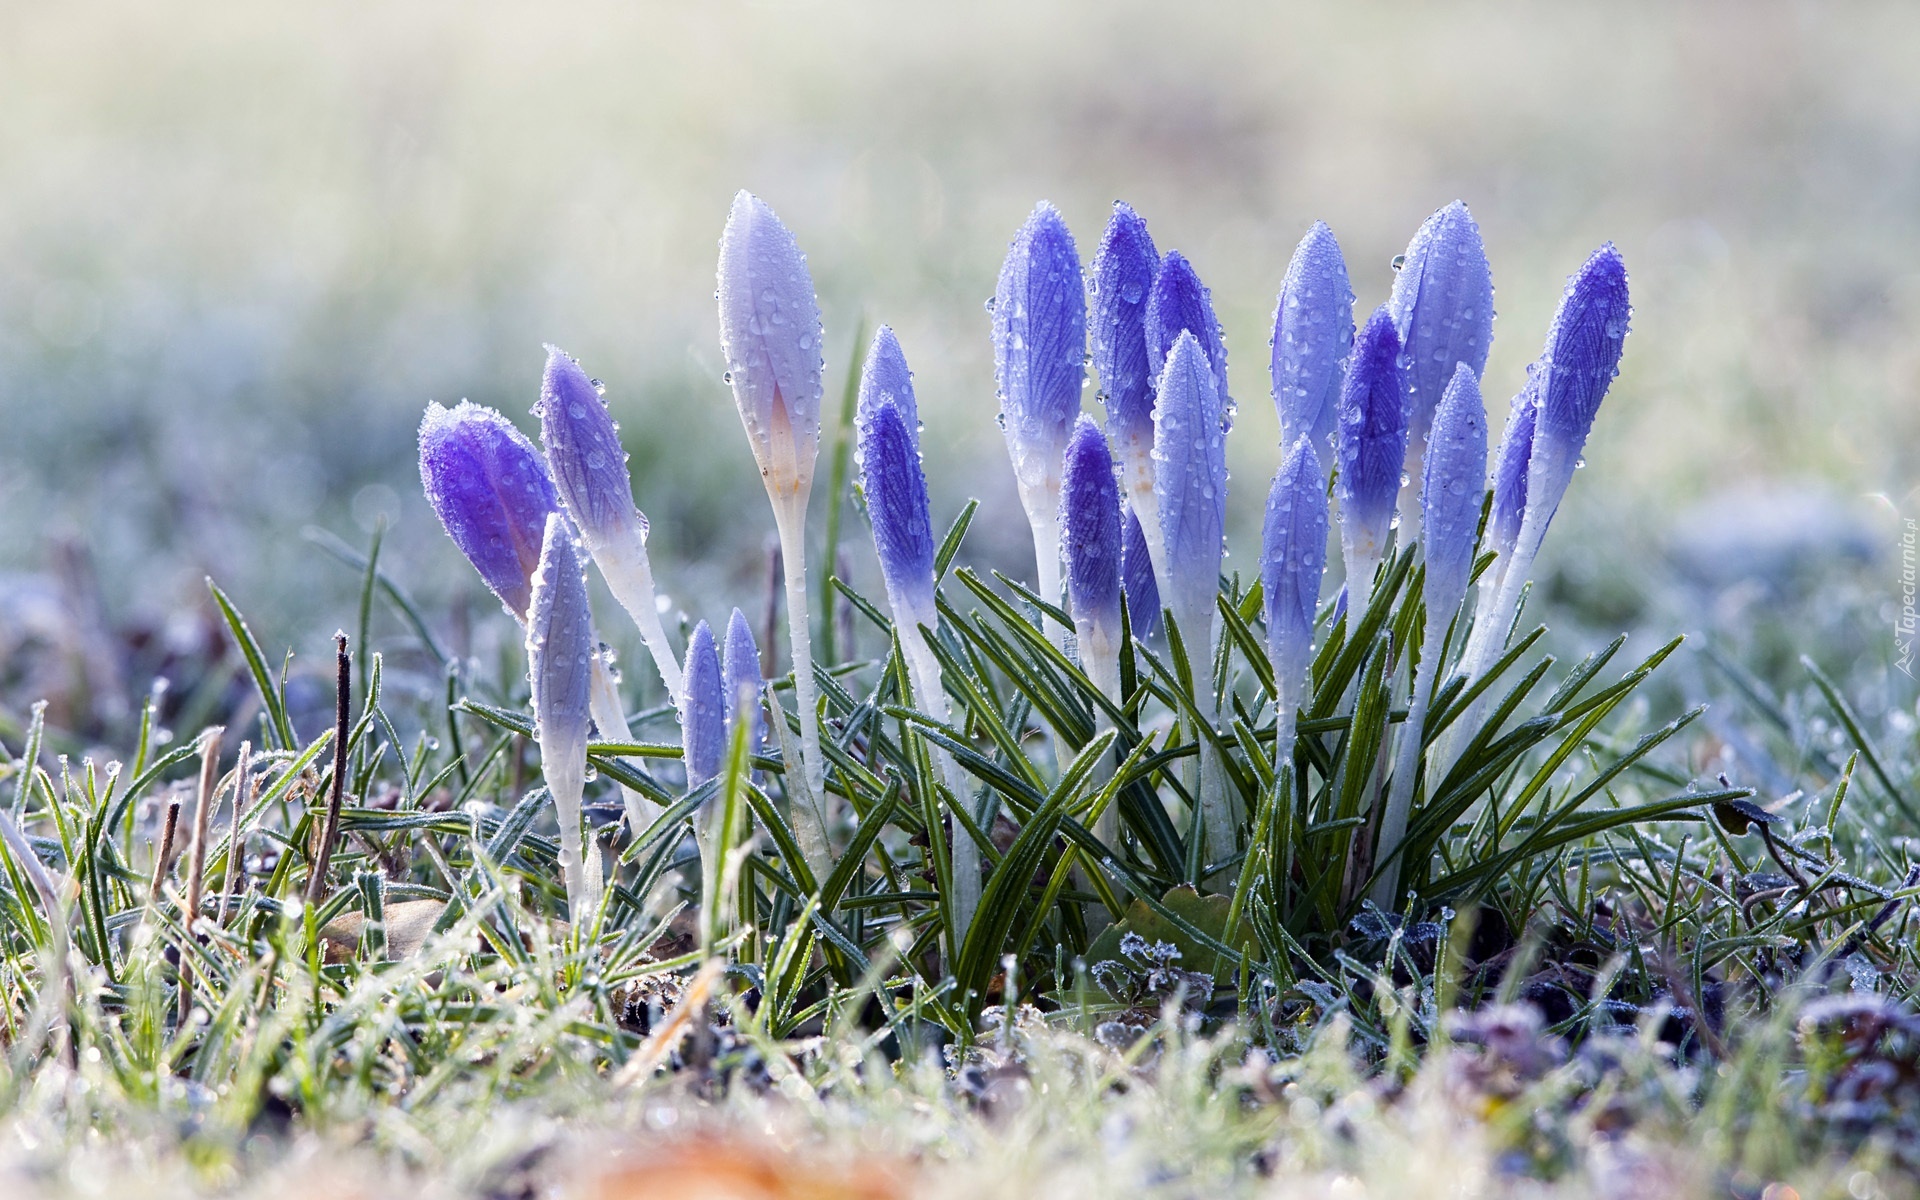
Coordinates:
(1127, 516)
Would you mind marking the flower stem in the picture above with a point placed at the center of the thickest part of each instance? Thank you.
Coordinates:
(611, 719)
(965, 852)
(1393, 823)
(790, 517)
(623, 564)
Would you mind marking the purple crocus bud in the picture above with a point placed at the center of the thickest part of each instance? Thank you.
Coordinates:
(1451, 492)
(1582, 357)
(1312, 338)
(1039, 349)
(896, 487)
(703, 709)
(1293, 559)
(560, 655)
(740, 664)
(583, 447)
(886, 377)
(1190, 488)
(1090, 536)
(491, 491)
(1136, 571)
(1372, 446)
(1510, 469)
(1442, 306)
(770, 334)
(1123, 273)
(1180, 302)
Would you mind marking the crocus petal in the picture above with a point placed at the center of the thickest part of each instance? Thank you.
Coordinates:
(896, 488)
(1312, 338)
(1090, 537)
(1190, 482)
(583, 448)
(491, 490)
(1180, 303)
(1040, 346)
(770, 333)
(1451, 492)
(560, 653)
(1372, 443)
(1582, 357)
(886, 377)
(1136, 570)
(1123, 273)
(1293, 560)
(1442, 306)
(740, 664)
(1510, 468)
(703, 709)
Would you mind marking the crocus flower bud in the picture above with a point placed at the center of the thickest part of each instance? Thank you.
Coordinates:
(1178, 303)
(1136, 572)
(1190, 488)
(1372, 446)
(885, 377)
(770, 334)
(1510, 470)
(1123, 273)
(896, 487)
(1039, 354)
(560, 654)
(1582, 357)
(1442, 306)
(492, 493)
(1293, 558)
(703, 709)
(583, 447)
(740, 664)
(1312, 339)
(1090, 525)
(1451, 492)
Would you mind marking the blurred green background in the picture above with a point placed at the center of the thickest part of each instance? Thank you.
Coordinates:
(242, 245)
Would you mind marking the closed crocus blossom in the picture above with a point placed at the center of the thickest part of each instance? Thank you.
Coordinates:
(1090, 524)
(491, 491)
(894, 482)
(1450, 498)
(1510, 472)
(1190, 494)
(1293, 561)
(1136, 571)
(1312, 339)
(1039, 354)
(740, 664)
(703, 710)
(1123, 274)
(560, 652)
(1372, 445)
(1180, 303)
(1442, 306)
(590, 475)
(770, 333)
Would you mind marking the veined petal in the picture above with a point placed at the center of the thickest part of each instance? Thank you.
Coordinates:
(1136, 570)
(703, 710)
(1582, 357)
(491, 490)
(885, 377)
(1442, 306)
(1190, 480)
(1452, 490)
(1293, 558)
(740, 664)
(1372, 443)
(1040, 345)
(1123, 274)
(770, 333)
(1090, 534)
(896, 487)
(1312, 339)
(583, 448)
(1510, 468)
(560, 650)
(1179, 303)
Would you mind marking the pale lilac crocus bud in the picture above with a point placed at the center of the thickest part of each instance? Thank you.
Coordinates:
(894, 482)
(1293, 562)
(560, 654)
(590, 475)
(491, 491)
(1090, 535)
(740, 664)
(703, 710)
(1180, 303)
(771, 335)
(1123, 275)
(1312, 339)
(1510, 472)
(1039, 355)
(1442, 306)
(1372, 447)
(1450, 498)
(1136, 568)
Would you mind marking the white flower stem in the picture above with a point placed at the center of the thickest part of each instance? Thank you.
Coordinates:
(623, 564)
(611, 718)
(964, 852)
(1484, 644)
(1103, 670)
(810, 823)
(565, 771)
(1393, 823)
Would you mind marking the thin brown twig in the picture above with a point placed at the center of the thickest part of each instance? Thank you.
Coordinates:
(242, 795)
(162, 859)
(330, 830)
(203, 802)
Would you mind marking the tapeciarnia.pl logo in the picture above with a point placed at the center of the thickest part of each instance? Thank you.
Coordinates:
(1905, 625)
